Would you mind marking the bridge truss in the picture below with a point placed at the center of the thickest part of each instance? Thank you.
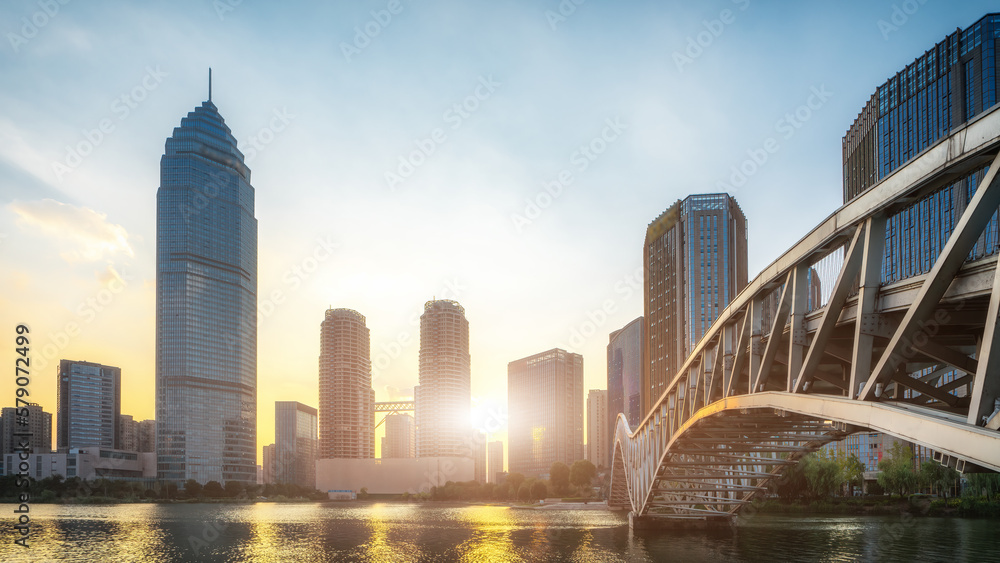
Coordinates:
(788, 367)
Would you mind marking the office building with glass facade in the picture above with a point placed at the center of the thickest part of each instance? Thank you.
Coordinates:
(545, 406)
(694, 264)
(346, 397)
(598, 432)
(206, 306)
(295, 443)
(89, 405)
(443, 398)
(626, 362)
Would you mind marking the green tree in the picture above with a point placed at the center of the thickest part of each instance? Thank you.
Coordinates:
(853, 471)
(234, 489)
(539, 490)
(822, 474)
(213, 489)
(896, 471)
(192, 488)
(515, 480)
(791, 484)
(582, 473)
(936, 478)
(523, 492)
(559, 477)
(982, 484)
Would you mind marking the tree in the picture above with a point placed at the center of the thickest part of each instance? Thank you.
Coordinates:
(822, 474)
(582, 473)
(853, 471)
(234, 489)
(896, 471)
(559, 477)
(514, 480)
(791, 484)
(982, 484)
(539, 490)
(213, 489)
(936, 477)
(192, 488)
(524, 493)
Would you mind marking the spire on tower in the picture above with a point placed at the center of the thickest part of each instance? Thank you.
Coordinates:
(210, 84)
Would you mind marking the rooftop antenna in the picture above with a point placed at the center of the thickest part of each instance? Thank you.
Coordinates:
(210, 84)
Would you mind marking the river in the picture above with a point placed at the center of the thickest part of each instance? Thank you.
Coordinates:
(308, 532)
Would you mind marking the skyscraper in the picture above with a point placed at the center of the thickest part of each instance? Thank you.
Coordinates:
(346, 397)
(443, 398)
(206, 306)
(950, 84)
(479, 455)
(128, 433)
(400, 436)
(598, 435)
(295, 443)
(494, 462)
(38, 424)
(694, 264)
(269, 467)
(545, 403)
(147, 436)
(89, 405)
(626, 354)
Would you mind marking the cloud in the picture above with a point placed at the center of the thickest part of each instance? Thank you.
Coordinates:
(84, 234)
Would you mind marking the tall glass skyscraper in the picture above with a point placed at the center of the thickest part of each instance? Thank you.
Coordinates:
(90, 398)
(694, 264)
(296, 443)
(206, 306)
(948, 85)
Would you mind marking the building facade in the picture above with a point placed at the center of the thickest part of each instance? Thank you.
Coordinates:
(598, 432)
(346, 397)
(28, 424)
(479, 456)
(147, 435)
(128, 433)
(443, 398)
(400, 438)
(626, 394)
(545, 406)
(295, 443)
(494, 461)
(269, 467)
(206, 306)
(89, 405)
(90, 464)
(694, 264)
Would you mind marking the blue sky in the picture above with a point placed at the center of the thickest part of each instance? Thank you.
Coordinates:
(673, 95)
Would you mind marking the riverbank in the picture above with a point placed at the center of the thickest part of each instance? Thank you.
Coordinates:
(874, 506)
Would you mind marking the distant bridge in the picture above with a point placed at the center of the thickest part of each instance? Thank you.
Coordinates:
(781, 372)
(392, 407)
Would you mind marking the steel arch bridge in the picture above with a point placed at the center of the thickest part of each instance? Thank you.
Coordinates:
(786, 368)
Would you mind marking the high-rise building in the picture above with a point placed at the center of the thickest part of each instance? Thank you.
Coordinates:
(128, 433)
(147, 436)
(545, 404)
(90, 398)
(400, 436)
(206, 306)
(598, 438)
(626, 355)
(443, 398)
(694, 264)
(494, 461)
(269, 467)
(948, 85)
(479, 455)
(295, 443)
(35, 429)
(346, 397)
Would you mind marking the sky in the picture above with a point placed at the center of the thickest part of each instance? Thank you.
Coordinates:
(508, 155)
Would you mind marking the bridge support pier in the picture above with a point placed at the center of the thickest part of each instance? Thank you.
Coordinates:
(644, 523)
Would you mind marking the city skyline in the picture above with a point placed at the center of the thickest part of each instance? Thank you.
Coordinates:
(102, 280)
